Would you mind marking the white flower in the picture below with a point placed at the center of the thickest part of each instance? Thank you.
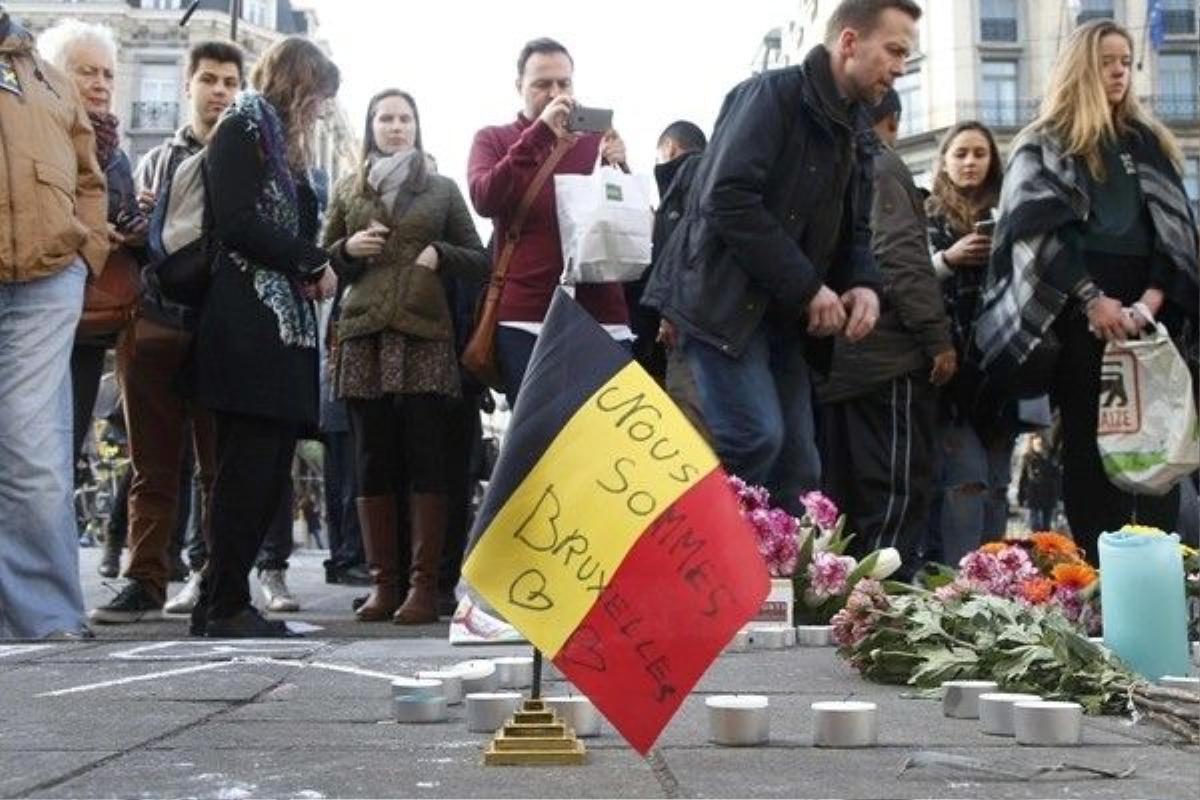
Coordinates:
(887, 562)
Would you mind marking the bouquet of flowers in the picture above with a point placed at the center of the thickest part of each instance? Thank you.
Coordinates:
(923, 639)
(810, 550)
(1043, 570)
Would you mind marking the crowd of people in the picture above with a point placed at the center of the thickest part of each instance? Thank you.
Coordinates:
(825, 323)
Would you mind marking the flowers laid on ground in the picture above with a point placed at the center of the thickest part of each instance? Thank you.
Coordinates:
(810, 550)
(924, 638)
(1045, 569)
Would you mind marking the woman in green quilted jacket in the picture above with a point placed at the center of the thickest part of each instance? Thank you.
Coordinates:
(395, 228)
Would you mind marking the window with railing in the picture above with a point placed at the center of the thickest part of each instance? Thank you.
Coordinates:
(259, 12)
(1179, 17)
(162, 5)
(912, 103)
(998, 93)
(155, 115)
(998, 20)
(1094, 9)
(1176, 98)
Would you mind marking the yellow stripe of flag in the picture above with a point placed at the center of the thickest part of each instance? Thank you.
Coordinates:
(620, 461)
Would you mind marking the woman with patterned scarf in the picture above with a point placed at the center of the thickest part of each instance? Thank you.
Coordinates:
(1095, 238)
(396, 231)
(255, 363)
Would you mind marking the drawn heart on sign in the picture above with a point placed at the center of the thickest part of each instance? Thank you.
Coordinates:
(528, 591)
(583, 648)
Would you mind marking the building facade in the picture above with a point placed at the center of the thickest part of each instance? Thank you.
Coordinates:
(152, 59)
(990, 59)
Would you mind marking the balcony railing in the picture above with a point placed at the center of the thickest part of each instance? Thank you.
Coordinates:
(155, 116)
(998, 29)
(1000, 114)
(1179, 21)
(1176, 107)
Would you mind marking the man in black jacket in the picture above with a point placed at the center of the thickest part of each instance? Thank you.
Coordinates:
(879, 400)
(775, 243)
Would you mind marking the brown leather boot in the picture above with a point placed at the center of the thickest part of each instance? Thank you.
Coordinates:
(427, 514)
(377, 518)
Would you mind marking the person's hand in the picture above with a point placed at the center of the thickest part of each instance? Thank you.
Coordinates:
(555, 115)
(612, 149)
(428, 258)
(1108, 320)
(826, 314)
(1152, 300)
(862, 312)
(115, 237)
(145, 201)
(667, 335)
(323, 288)
(945, 364)
(367, 243)
(969, 251)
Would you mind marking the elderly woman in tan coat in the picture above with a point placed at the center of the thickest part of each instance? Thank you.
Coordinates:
(392, 229)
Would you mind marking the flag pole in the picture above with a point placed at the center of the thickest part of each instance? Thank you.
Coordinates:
(535, 691)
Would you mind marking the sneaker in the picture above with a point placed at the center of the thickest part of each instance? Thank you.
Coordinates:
(276, 592)
(185, 601)
(249, 624)
(134, 603)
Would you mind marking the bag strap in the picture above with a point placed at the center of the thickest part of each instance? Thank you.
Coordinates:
(513, 232)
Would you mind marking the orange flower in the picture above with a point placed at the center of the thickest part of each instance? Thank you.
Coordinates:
(1074, 576)
(1037, 591)
(1054, 545)
(992, 547)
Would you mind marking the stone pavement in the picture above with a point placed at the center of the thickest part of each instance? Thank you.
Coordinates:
(144, 712)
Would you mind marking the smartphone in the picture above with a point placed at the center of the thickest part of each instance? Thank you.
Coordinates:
(589, 120)
(985, 227)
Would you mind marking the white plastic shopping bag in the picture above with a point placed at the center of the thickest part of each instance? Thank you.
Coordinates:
(606, 225)
(1147, 428)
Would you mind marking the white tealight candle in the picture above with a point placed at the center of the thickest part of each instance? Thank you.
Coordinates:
(996, 711)
(961, 698)
(488, 711)
(451, 683)
(477, 676)
(1048, 723)
(738, 720)
(577, 712)
(514, 672)
(419, 709)
(814, 635)
(845, 724)
(769, 637)
(1180, 682)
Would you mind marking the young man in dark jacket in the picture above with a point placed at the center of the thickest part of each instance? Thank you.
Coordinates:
(775, 244)
(879, 400)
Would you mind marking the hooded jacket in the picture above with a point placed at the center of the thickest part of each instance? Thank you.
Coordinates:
(52, 190)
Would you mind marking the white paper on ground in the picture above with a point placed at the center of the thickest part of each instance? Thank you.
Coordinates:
(472, 625)
(303, 627)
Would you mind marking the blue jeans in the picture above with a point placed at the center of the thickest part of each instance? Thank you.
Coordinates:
(39, 541)
(973, 481)
(759, 411)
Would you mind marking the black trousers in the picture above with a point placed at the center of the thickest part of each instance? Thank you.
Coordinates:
(400, 443)
(341, 489)
(254, 462)
(87, 366)
(1092, 503)
(877, 458)
(277, 543)
(464, 433)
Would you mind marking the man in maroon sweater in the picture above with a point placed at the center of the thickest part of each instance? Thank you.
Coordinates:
(504, 160)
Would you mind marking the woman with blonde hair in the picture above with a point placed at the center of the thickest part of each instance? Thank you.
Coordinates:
(1095, 240)
(256, 343)
(398, 232)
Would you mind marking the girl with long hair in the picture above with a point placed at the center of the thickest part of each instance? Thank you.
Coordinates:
(1095, 239)
(398, 232)
(974, 445)
(256, 343)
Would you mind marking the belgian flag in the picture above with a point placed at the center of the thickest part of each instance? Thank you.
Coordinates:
(609, 536)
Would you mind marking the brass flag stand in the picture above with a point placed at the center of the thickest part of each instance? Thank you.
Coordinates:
(535, 735)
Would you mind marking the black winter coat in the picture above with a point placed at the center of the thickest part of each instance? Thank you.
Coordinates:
(780, 206)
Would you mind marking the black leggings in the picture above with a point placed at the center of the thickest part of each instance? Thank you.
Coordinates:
(400, 440)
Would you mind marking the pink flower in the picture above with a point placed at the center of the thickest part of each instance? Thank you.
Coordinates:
(750, 498)
(979, 570)
(820, 509)
(951, 592)
(827, 575)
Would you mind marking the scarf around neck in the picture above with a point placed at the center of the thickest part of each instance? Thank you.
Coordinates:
(108, 137)
(387, 174)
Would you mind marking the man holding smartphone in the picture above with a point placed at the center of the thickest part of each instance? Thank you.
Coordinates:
(505, 161)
